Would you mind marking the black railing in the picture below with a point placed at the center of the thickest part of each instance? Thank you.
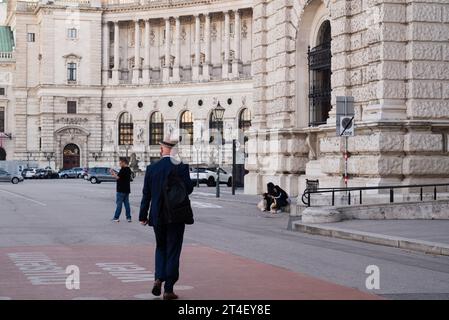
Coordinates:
(306, 196)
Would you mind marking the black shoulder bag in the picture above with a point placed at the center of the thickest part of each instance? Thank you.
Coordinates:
(176, 199)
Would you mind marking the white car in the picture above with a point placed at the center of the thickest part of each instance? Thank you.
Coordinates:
(30, 173)
(209, 176)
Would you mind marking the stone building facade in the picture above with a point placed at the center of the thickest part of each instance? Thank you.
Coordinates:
(391, 56)
(283, 70)
(96, 80)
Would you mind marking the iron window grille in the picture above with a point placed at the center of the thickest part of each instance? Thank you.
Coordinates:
(186, 127)
(156, 128)
(125, 130)
(71, 107)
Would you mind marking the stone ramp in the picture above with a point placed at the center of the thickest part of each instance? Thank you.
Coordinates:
(428, 236)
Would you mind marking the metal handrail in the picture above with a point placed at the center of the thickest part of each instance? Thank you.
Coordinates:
(306, 196)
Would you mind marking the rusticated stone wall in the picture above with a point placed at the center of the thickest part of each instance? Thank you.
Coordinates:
(391, 56)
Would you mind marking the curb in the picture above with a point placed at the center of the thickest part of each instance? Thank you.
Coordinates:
(374, 238)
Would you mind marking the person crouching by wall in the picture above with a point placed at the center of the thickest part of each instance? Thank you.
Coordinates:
(275, 199)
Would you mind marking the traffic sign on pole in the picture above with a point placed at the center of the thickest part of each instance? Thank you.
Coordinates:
(345, 108)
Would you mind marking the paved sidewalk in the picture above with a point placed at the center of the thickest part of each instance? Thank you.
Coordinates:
(430, 236)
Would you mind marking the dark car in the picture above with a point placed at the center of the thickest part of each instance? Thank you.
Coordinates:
(99, 175)
(46, 174)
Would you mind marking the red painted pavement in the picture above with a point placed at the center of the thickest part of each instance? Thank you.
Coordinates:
(205, 274)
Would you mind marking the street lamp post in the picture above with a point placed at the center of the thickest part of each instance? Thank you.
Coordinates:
(29, 155)
(49, 156)
(197, 148)
(218, 114)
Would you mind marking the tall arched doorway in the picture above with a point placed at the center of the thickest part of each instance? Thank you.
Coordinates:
(319, 58)
(71, 156)
(2, 154)
(313, 53)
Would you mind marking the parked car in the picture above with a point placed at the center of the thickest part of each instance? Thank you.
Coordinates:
(46, 174)
(5, 176)
(68, 173)
(81, 172)
(100, 174)
(29, 173)
(209, 176)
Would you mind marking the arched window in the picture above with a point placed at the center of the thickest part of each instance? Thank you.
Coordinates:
(215, 128)
(320, 77)
(244, 124)
(125, 129)
(245, 120)
(186, 128)
(2, 154)
(2, 119)
(156, 128)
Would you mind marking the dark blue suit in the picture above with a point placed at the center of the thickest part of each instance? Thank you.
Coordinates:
(169, 237)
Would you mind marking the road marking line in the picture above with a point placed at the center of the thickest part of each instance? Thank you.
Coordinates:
(38, 268)
(23, 197)
(204, 205)
(127, 271)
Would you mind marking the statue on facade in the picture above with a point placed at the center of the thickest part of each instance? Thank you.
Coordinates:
(140, 134)
(134, 163)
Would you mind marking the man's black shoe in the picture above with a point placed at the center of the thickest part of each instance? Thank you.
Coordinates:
(157, 288)
(170, 296)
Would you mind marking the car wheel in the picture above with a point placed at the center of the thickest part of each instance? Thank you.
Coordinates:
(15, 180)
(93, 180)
(79, 176)
(211, 182)
(65, 176)
(229, 183)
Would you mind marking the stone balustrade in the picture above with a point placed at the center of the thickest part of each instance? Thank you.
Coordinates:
(6, 56)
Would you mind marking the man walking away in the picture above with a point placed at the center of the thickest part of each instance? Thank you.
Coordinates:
(123, 189)
(167, 186)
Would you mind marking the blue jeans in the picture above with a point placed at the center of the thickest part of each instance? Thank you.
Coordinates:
(122, 199)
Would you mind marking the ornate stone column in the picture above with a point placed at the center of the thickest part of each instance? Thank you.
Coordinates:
(166, 70)
(225, 67)
(207, 51)
(115, 71)
(237, 58)
(196, 65)
(146, 57)
(136, 69)
(176, 75)
(105, 53)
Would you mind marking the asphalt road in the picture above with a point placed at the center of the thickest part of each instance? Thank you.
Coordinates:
(77, 213)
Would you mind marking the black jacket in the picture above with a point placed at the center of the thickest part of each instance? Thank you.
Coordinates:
(155, 177)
